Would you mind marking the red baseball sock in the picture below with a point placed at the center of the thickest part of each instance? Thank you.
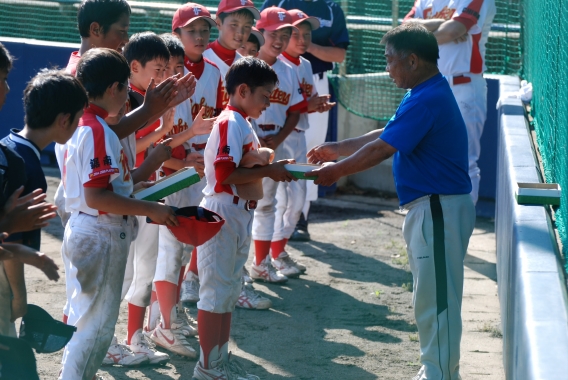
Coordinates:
(135, 320)
(180, 280)
(65, 318)
(193, 262)
(277, 247)
(224, 335)
(167, 298)
(153, 312)
(209, 326)
(261, 250)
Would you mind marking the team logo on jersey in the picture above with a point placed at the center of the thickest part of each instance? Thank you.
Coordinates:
(196, 107)
(445, 14)
(306, 88)
(179, 127)
(196, 10)
(125, 169)
(279, 97)
(281, 16)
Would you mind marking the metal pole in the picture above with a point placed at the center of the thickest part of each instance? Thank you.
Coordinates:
(394, 13)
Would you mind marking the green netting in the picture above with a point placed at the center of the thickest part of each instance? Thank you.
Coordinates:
(545, 64)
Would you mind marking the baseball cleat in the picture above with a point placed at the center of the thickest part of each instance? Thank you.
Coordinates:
(219, 371)
(266, 272)
(250, 299)
(236, 368)
(173, 340)
(246, 276)
(287, 265)
(183, 325)
(120, 354)
(300, 235)
(190, 289)
(140, 344)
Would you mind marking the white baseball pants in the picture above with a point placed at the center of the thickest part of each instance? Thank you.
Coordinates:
(437, 230)
(315, 135)
(141, 265)
(472, 101)
(7, 328)
(172, 254)
(220, 260)
(290, 196)
(265, 213)
(59, 200)
(97, 249)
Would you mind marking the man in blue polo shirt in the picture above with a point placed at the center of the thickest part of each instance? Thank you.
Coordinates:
(428, 138)
(329, 45)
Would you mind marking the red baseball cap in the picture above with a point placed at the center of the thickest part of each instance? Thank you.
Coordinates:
(255, 32)
(274, 18)
(190, 12)
(299, 17)
(230, 6)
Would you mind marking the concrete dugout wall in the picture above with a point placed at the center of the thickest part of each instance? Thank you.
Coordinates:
(531, 283)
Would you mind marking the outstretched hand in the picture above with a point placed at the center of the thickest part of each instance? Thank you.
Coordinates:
(325, 152)
(279, 173)
(26, 213)
(327, 174)
(185, 88)
(201, 126)
(159, 97)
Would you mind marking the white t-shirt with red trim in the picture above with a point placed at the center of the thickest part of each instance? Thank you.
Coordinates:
(303, 69)
(223, 68)
(232, 136)
(93, 151)
(477, 15)
(286, 97)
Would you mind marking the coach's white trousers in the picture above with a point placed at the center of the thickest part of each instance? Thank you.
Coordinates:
(472, 101)
(97, 249)
(315, 135)
(437, 233)
(290, 196)
(265, 212)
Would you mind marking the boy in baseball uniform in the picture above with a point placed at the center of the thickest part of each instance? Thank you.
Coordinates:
(251, 47)
(273, 127)
(249, 84)
(192, 25)
(97, 188)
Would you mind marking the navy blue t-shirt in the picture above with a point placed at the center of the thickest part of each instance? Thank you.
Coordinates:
(35, 180)
(430, 135)
(332, 31)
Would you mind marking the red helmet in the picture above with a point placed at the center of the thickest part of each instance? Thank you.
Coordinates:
(196, 225)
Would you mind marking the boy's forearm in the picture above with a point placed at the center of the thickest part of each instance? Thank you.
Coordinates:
(144, 171)
(132, 122)
(289, 125)
(143, 143)
(15, 273)
(181, 137)
(110, 202)
(175, 164)
(246, 175)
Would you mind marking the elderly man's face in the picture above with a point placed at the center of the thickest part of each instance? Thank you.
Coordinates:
(397, 67)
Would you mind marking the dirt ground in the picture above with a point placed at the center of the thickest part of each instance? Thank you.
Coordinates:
(349, 317)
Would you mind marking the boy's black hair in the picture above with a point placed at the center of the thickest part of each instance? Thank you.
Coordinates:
(241, 12)
(252, 38)
(144, 47)
(251, 71)
(414, 38)
(174, 45)
(103, 12)
(5, 59)
(100, 68)
(50, 93)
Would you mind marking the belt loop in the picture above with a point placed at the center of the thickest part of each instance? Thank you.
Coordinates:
(235, 200)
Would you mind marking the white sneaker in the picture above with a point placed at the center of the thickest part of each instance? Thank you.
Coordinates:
(120, 354)
(246, 276)
(190, 289)
(250, 299)
(286, 265)
(220, 371)
(183, 325)
(140, 344)
(266, 272)
(236, 368)
(173, 340)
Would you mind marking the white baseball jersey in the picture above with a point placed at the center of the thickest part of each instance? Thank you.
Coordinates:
(476, 15)
(286, 97)
(303, 69)
(223, 68)
(92, 152)
(232, 136)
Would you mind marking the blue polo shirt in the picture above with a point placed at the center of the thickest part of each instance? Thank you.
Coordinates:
(332, 30)
(431, 138)
(35, 180)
